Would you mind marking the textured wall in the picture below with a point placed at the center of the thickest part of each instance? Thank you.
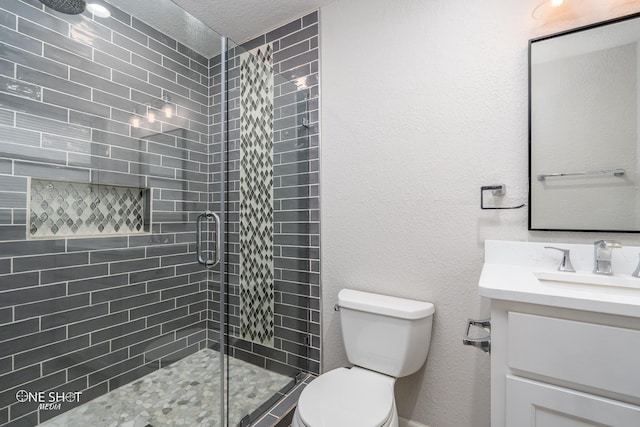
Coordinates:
(423, 102)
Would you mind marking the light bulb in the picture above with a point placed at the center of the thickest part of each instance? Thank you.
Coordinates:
(556, 3)
(168, 111)
(135, 122)
(151, 116)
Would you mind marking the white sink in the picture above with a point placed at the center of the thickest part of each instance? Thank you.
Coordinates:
(587, 278)
(526, 272)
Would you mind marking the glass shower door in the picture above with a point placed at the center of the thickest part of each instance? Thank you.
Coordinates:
(268, 222)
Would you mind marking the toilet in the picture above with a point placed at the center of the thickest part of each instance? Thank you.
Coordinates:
(385, 338)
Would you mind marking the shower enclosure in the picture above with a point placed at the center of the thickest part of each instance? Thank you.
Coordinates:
(159, 234)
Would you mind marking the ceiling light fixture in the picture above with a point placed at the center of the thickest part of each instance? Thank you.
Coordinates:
(558, 10)
(98, 10)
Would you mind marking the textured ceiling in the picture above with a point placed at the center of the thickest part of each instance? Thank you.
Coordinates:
(242, 20)
(172, 20)
(239, 20)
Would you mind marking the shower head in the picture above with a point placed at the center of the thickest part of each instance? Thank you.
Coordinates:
(71, 7)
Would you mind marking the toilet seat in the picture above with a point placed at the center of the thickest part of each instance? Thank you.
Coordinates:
(347, 398)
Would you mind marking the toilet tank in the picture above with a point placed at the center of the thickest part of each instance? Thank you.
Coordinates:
(385, 334)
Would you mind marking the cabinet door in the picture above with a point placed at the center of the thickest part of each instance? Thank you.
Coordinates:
(534, 404)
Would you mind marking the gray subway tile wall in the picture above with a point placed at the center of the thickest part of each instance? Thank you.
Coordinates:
(91, 314)
(88, 314)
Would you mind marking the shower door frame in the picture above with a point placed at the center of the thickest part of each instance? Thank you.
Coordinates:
(224, 395)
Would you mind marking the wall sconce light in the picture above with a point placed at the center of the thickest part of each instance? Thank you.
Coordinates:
(147, 113)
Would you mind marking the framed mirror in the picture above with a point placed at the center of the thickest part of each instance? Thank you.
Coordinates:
(584, 121)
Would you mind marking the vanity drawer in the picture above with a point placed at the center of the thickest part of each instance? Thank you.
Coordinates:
(588, 354)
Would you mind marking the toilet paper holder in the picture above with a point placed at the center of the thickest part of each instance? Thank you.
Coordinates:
(484, 342)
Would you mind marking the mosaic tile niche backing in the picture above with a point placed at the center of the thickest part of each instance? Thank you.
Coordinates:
(256, 196)
(83, 209)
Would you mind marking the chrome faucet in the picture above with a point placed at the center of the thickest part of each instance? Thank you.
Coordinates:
(565, 264)
(602, 250)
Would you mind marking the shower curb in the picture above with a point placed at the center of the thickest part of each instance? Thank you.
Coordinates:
(281, 414)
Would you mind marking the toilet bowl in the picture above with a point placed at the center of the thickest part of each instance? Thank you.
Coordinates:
(348, 397)
(385, 338)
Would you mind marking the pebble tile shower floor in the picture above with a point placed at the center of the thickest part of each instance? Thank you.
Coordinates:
(185, 393)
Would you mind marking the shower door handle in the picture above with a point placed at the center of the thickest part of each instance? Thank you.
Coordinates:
(216, 257)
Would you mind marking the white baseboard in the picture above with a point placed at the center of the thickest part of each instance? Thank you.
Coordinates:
(408, 423)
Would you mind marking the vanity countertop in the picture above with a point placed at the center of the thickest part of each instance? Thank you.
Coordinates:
(509, 274)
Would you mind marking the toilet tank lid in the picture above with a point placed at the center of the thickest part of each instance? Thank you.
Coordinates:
(384, 304)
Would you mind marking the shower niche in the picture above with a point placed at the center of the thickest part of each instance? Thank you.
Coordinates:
(73, 209)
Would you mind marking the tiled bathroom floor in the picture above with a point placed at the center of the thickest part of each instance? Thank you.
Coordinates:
(185, 393)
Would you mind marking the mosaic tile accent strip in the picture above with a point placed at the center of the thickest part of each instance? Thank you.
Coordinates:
(296, 199)
(80, 209)
(185, 393)
(256, 197)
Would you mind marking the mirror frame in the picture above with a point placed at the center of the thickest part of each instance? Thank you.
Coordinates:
(550, 36)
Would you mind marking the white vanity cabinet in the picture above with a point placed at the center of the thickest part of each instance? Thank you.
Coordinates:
(552, 367)
(562, 354)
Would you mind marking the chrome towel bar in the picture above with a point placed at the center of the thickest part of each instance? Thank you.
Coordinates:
(614, 172)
